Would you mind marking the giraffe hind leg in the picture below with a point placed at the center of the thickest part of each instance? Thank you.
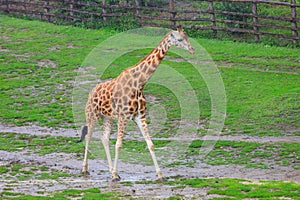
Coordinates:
(105, 140)
(88, 136)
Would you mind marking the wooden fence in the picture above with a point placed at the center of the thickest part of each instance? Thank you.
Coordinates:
(203, 15)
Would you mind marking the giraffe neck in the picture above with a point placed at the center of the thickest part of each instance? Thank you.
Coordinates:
(144, 69)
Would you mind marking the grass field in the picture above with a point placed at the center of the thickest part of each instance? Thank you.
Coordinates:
(39, 71)
(40, 61)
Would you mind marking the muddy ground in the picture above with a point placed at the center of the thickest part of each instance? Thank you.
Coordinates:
(100, 177)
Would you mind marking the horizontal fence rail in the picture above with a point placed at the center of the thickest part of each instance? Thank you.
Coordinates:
(206, 16)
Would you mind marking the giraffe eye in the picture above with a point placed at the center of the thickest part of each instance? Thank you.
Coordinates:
(180, 40)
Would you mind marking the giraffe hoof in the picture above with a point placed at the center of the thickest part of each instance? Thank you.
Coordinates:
(86, 173)
(162, 179)
(116, 178)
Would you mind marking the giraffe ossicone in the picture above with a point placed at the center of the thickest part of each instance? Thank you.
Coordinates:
(122, 99)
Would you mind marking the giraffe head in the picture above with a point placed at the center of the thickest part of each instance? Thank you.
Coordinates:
(179, 38)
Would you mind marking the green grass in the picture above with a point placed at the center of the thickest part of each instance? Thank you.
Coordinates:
(229, 188)
(38, 66)
(92, 193)
(250, 154)
(252, 56)
(40, 144)
(31, 171)
(241, 189)
(261, 84)
(3, 169)
(38, 69)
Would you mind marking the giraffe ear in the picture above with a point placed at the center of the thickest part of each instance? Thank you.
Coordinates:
(179, 28)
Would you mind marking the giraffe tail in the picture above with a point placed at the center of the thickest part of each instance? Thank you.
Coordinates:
(83, 134)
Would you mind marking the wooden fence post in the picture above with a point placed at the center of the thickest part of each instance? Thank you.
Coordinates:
(47, 11)
(104, 10)
(137, 5)
(294, 22)
(72, 11)
(212, 16)
(172, 12)
(255, 21)
(137, 11)
(25, 9)
(7, 6)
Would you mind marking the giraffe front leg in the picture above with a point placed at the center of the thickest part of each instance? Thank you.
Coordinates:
(142, 124)
(115, 175)
(121, 126)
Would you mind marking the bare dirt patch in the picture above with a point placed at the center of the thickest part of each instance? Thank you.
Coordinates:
(46, 63)
(3, 50)
(54, 48)
(100, 176)
(130, 173)
(38, 130)
(4, 37)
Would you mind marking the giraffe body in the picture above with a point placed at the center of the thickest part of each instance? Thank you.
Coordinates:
(122, 99)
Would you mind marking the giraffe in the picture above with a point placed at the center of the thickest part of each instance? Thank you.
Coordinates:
(122, 99)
